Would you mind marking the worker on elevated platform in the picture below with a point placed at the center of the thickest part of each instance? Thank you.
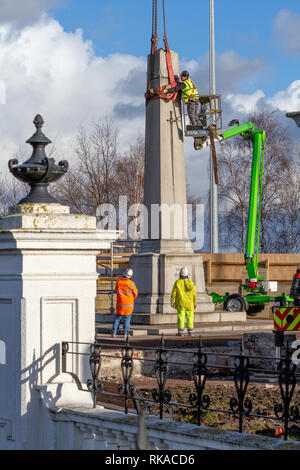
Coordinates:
(295, 289)
(190, 96)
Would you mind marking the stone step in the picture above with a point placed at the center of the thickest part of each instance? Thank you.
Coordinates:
(171, 319)
(199, 329)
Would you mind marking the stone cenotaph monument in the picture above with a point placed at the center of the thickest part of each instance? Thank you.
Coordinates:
(168, 246)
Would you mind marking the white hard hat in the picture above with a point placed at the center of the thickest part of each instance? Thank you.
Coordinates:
(128, 273)
(184, 272)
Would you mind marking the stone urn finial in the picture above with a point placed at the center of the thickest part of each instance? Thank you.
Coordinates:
(38, 122)
(39, 170)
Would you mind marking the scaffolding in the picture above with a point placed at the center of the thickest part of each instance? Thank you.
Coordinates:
(106, 265)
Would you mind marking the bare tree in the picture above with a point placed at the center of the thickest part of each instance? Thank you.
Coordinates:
(92, 179)
(11, 192)
(130, 183)
(287, 219)
(234, 176)
(235, 163)
(130, 172)
(11, 189)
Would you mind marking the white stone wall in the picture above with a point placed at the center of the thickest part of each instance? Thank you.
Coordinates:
(108, 430)
(47, 295)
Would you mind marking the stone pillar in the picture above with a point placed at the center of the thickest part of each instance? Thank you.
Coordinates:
(47, 295)
(168, 247)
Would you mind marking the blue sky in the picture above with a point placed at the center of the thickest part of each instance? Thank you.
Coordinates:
(74, 61)
(244, 27)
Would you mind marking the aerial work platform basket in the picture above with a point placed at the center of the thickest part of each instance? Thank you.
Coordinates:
(209, 113)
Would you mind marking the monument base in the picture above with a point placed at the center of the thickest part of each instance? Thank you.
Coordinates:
(155, 274)
(199, 318)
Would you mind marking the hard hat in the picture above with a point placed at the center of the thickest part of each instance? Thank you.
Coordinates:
(185, 73)
(128, 273)
(184, 272)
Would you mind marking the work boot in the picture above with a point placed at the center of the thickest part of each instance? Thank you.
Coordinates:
(113, 335)
(190, 331)
(180, 332)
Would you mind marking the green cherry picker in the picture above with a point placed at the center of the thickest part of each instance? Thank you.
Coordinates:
(254, 291)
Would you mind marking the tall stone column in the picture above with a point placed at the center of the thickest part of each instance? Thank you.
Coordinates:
(167, 247)
(165, 177)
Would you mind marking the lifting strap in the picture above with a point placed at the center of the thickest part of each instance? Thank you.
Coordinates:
(154, 39)
(157, 93)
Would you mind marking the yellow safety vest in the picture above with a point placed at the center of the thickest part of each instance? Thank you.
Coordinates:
(190, 92)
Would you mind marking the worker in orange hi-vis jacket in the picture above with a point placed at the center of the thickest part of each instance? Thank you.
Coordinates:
(295, 288)
(126, 294)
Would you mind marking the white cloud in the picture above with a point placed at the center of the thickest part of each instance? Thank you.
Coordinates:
(287, 100)
(286, 29)
(244, 103)
(232, 72)
(57, 74)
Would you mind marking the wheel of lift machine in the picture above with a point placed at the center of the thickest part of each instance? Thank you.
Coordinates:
(254, 309)
(198, 142)
(235, 303)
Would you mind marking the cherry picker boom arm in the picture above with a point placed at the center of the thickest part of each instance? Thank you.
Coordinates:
(255, 287)
(258, 138)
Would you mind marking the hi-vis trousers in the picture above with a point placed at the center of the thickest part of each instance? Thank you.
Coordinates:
(189, 316)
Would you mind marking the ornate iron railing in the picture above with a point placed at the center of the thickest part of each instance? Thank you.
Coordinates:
(240, 406)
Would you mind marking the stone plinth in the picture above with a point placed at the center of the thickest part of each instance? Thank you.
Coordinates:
(155, 275)
(47, 296)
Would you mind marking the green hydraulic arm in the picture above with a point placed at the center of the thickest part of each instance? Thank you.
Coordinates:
(255, 288)
(258, 138)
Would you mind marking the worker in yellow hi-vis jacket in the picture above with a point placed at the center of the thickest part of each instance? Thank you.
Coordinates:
(191, 97)
(184, 300)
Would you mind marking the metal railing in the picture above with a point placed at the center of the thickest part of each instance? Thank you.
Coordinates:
(161, 401)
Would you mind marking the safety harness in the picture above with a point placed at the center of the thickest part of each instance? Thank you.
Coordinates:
(157, 93)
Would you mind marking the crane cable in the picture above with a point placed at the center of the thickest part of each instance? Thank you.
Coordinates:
(168, 53)
(154, 39)
(155, 94)
(164, 18)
